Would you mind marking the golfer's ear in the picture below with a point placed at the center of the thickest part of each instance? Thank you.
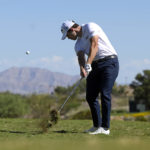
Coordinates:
(72, 29)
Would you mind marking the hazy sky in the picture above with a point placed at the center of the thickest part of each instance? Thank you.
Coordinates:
(34, 25)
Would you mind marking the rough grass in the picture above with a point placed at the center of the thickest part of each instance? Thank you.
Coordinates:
(23, 134)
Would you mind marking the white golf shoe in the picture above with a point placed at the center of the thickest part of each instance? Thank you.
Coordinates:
(91, 129)
(100, 130)
(105, 131)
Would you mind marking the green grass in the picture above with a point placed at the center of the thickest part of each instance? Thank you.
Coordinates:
(24, 134)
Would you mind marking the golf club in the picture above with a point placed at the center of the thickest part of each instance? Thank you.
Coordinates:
(53, 117)
(77, 84)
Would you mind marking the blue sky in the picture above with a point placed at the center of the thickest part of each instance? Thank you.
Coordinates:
(34, 25)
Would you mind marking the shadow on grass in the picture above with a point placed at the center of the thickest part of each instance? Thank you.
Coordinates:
(64, 131)
(22, 132)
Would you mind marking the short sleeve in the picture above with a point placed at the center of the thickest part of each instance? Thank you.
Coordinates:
(92, 30)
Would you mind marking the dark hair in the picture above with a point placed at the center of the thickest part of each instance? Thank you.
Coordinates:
(75, 25)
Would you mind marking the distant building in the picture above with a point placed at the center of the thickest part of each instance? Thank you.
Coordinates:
(135, 107)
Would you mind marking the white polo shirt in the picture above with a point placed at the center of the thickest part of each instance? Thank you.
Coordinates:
(104, 46)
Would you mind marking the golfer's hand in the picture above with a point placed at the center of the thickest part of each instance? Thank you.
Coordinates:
(88, 68)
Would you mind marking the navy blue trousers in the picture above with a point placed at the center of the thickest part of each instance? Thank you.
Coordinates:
(100, 81)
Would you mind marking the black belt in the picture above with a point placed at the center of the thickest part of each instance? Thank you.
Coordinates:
(105, 58)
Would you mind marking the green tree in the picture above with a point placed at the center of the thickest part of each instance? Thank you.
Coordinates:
(66, 90)
(12, 105)
(141, 87)
(60, 90)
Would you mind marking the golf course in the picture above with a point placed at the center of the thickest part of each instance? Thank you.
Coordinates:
(24, 134)
(74, 75)
(21, 118)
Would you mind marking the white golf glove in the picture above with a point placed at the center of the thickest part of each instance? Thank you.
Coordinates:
(88, 68)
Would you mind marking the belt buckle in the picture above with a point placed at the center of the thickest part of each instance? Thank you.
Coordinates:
(113, 56)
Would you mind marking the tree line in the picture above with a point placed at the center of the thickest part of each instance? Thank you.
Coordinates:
(35, 105)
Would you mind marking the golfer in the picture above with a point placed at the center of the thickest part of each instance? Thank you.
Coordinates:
(101, 69)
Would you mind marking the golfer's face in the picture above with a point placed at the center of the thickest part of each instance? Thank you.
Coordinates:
(72, 35)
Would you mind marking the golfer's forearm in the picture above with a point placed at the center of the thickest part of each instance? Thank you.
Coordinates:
(92, 55)
(93, 50)
(81, 59)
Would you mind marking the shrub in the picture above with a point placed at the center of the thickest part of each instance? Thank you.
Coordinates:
(140, 118)
(12, 105)
(39, 105)
(86, 114)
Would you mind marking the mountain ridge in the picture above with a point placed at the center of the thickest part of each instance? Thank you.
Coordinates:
(28, 80)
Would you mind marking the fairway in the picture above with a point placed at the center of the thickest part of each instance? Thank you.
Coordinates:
(21, 134)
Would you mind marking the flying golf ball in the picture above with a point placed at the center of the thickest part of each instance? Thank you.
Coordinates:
(27, 52)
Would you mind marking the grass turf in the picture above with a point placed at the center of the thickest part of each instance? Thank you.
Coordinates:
(21, 134)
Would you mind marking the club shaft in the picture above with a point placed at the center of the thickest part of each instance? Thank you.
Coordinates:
(77, 84)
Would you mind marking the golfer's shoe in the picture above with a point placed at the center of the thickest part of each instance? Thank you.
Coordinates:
(105, 131)
(101, 130)
(91, 129)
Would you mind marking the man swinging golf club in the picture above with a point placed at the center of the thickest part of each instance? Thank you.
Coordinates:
(101, 69)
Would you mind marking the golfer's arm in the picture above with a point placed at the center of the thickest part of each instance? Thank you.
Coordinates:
(81, 59)
(93, 49)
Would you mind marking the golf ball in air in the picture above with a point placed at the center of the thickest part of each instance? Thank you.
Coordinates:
(27, 52)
